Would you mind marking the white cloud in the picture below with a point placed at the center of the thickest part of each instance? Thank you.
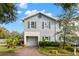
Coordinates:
(23, 5)
(49, 14)
(19, 12)
(28, 12)
(43, 11)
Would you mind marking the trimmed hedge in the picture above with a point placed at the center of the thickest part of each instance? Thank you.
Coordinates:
(48, 44)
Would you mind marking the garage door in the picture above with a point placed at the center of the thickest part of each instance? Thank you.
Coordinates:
(32, 41)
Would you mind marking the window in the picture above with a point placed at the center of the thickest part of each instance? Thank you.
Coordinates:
(33, 24)
(43, 39)
(46, 38)
(45, 25)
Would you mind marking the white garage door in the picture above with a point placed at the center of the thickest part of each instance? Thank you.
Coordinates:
(32, 41)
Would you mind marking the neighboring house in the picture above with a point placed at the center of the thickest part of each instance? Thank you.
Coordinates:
(40, 26)
(2, 41)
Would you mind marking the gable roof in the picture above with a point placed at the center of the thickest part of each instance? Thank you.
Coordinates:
(51, 17)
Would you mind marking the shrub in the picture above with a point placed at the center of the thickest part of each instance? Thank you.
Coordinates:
(9, 42)
(77, 49)
(69, 48)
(55, 44)
(53, 51)
(42, 43)
(12, 42)
(66, 44)
(48, 44)
(21, 43)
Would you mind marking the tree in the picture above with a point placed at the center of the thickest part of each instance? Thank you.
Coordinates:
(66, 6)
(4, 34)
(16, 34)
(8, 12)
(14, 39)
(70, 11)
(12, 42)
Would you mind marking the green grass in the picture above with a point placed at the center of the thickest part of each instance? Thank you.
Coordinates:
(5, 49)
(61, 52)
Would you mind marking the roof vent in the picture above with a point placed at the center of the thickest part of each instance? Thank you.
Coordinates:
(39, 16)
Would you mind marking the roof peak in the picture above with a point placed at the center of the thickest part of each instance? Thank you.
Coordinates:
(52, 17)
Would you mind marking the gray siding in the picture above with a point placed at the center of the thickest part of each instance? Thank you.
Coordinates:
(43, 32)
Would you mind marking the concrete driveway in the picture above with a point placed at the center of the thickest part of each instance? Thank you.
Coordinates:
(28, 52)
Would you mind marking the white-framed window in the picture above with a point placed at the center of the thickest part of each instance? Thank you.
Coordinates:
(46, 25)
(46, 38)
(31, 24)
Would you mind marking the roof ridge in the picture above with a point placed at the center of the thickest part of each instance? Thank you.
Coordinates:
(53, 17)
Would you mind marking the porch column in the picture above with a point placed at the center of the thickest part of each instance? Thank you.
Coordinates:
(38, 39)
(25, 43)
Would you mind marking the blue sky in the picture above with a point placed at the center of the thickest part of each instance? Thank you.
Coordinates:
(25, 9)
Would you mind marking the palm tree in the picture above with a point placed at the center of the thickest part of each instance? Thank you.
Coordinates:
(8, 12)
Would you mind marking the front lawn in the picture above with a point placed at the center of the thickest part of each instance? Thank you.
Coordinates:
(55, 51)
(56, 48)
(7, 51)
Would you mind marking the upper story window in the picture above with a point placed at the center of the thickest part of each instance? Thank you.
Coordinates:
(46, 25)
(32, 24)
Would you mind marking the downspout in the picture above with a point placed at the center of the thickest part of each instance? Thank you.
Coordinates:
(24, 33)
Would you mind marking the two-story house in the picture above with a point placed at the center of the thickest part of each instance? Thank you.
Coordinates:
(39, 26)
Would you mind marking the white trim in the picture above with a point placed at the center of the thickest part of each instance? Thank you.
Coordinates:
(53, 17)
(31, 34)
(25, 43)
